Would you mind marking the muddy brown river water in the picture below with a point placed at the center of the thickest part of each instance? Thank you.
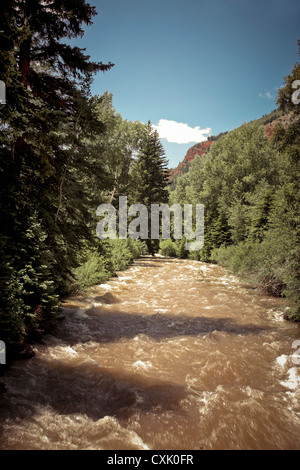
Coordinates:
(171, 354)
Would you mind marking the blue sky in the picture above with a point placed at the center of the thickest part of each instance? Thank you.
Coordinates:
(193, 67)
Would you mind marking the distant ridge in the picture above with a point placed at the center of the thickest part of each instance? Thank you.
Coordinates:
(197, 149)
(202, 148)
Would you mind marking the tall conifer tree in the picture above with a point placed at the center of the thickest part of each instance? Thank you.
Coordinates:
(149, 177)
(47, 111)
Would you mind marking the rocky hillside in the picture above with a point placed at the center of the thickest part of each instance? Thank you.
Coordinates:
(202, 148)
(198, 149)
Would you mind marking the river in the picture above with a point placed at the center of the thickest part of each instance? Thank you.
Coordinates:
(170, 354)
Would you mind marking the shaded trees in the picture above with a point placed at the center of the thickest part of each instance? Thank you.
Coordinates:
(44, 204)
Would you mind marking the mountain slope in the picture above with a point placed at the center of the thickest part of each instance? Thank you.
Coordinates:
(202, 148)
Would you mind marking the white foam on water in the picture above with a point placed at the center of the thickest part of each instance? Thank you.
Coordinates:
(276, 315)
(124, 278)
(137, 441)
(107, 286)
(281, 360)
(293, 380)
(253, 393)
(63, 352)
(204, 268)
(115, 432)
(142, 365)
(142, 302)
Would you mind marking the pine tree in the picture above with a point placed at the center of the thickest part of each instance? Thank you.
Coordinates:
(44, 206)
(149, 176)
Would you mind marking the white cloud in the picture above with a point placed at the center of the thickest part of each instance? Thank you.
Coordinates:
(266, 94)
(270, 94)
(180, 133)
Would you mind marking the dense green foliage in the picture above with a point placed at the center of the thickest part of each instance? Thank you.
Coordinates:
(44, 208)
(99, 264)
(173, 248)
(249, 185)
